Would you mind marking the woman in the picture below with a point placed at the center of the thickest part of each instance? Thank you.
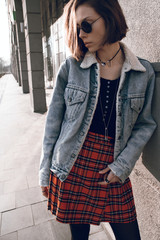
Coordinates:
(98, 122)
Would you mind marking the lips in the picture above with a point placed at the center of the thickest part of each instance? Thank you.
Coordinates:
(87, 44)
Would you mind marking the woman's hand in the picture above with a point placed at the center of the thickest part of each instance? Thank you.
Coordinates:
(45, 191)
(109, 177)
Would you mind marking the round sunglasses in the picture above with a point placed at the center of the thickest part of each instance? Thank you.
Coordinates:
(86, 26)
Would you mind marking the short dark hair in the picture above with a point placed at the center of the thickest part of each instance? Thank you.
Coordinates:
(110, 11)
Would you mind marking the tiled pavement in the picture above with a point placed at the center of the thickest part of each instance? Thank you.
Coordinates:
(23, 210)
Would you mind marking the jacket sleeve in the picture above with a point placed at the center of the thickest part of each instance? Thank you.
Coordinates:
(53, 125)
(141, 133)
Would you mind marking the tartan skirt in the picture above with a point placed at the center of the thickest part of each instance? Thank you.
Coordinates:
(80, 199)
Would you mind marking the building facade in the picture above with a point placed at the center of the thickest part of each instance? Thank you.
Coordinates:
(38, 48)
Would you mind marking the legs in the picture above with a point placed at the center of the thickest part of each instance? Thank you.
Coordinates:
(125, 231)
(80, 231)
(122, 231)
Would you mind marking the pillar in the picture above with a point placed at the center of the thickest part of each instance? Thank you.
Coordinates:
(143, 39)
(21, 48)
(33, 39)
(151, 153)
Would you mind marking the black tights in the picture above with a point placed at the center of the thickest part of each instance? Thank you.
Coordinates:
(122, 231)
(125, 231)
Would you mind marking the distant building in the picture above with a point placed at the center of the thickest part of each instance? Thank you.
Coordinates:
(4, 67)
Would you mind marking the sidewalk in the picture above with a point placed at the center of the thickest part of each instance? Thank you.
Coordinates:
(23, 209)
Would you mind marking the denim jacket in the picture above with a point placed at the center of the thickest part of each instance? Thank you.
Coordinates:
(73, 105)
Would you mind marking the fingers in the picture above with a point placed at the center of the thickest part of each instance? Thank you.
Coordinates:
(113, 180)
(105, 170)
(109, 177)
(45, 191)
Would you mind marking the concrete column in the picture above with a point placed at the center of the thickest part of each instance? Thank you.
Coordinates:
(143, 19)
(21, 48)
(143, 39)
(151, 153)
(16, 57)
(33, 37)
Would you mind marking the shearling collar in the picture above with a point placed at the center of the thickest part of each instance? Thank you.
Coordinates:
(131, 61)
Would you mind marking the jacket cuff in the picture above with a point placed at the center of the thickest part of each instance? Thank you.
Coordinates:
(43, 179)
(118, 172)
(44, 183)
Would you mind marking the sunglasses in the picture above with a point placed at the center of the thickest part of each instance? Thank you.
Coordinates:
(86, 27)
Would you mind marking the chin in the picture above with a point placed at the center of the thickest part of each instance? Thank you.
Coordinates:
(92, 49)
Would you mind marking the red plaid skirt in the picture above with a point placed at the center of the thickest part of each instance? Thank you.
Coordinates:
(80, 199)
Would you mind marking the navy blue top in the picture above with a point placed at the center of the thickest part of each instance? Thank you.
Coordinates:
(107, 109)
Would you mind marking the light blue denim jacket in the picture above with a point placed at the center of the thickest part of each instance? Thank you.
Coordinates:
(73, 105)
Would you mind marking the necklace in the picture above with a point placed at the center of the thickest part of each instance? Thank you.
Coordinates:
(104, 115)
(108, 62)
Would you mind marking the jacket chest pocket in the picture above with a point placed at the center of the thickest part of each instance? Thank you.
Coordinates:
(136, 105)
(74, 99)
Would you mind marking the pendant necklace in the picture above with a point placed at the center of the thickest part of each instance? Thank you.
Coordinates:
(103, 114)
(108, 62)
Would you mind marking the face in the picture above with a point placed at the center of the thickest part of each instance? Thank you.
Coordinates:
(96, 38)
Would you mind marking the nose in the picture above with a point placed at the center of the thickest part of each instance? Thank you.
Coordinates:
(82, 34)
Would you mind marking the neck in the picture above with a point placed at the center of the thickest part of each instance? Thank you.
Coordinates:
(108, 51)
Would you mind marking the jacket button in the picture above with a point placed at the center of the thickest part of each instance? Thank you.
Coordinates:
(81, 133)
(70, 100)
(73, 155)
(63, 177)
(119, 138)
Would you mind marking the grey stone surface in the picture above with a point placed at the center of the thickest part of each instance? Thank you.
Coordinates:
(147, 194)
(98, 236)
(95, 229)
(143, 18)
(108, 230)
(33, 180)
(40, 232)
(24, 64)
(38, 101)
(34, 22)
(6, 175)
(1, 188)
(37, 76)
(16, 219)
(19, 160)
(11, 236)
(27, 171)
(14, 185)
(21, 49)
(60, 231)
(40, 213)
(152, 150)
(35, 43)
(28, 197)
(7, 202)
(35, 61)
(0, 219)
(156, 67)
(33, 7)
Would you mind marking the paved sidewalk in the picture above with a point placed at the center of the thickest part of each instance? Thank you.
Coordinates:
(23, 210)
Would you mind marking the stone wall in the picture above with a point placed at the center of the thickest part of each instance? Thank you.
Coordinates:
(143, 18)
(143, 38)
